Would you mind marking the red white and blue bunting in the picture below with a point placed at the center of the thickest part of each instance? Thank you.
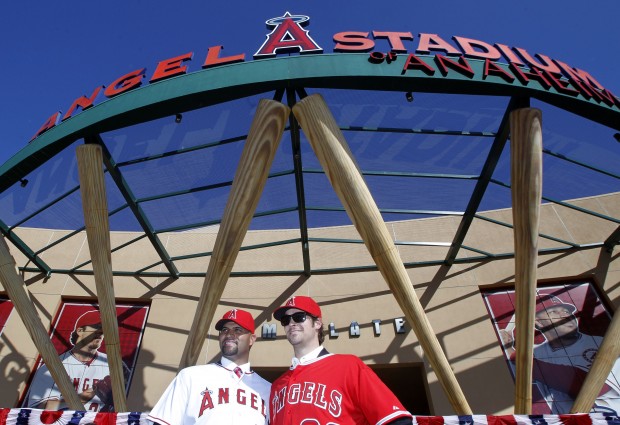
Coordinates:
(575, 419)
(71, 417)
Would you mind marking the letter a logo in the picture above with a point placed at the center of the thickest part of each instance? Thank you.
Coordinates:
(287, 36)
(232, 314)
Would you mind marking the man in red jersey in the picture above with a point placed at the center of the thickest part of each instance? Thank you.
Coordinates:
(321, 388)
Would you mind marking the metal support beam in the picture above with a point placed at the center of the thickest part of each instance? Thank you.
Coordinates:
(24, 248)
(45, 207)
(299, 184)
(567, 205)
(125, 190)
(485, 177)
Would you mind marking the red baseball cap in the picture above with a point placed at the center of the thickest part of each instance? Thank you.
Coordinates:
(300, 302)
(546, 301)
(90, 318)
(240, 317)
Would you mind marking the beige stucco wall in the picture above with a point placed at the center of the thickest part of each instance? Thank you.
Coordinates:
(451, 297)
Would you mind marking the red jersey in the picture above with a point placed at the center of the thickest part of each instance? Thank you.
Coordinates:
(334, 388)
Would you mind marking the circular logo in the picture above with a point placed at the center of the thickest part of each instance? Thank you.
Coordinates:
(589, 355)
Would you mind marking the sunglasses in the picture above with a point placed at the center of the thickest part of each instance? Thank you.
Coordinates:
(298, 317)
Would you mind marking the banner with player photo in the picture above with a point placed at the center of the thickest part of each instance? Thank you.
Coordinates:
(6, 307)
(77, 335)
(570, 324)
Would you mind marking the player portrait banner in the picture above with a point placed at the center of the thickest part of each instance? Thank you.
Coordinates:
(571, 321)
(77, 335)
(6, 307)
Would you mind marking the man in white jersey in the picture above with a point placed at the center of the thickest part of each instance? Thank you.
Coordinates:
(224, 392)
(86, 366)
(563, 360)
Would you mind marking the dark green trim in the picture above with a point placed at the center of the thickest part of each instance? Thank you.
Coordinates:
(409, 265)
(419, 131)
(181, 151)
(299, 183)
(214, 222)
(204, 188)
(402, 174)
(130, 199)
(25, 249)
(485, 177)
(391, 211)
(118, 248)
(581, 164)
(243, 248)
(229, 82)
(50, 204)
(77, 231)
(540, 235)
(566, 204)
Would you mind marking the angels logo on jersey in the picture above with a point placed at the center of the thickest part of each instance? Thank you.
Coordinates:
(589, 355)
(226, 395)
(308, 392)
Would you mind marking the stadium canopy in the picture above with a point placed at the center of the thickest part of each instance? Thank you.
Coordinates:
(430, 136)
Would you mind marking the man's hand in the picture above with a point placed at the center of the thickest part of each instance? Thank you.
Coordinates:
(508, 340)
(103, 389)
(86, 395)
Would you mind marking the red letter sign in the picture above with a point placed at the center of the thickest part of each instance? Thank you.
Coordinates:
(353, 41)
(83, 102)
(395, 39)
(171, 67)
(214, 59)
(51, 122)
(124, 83)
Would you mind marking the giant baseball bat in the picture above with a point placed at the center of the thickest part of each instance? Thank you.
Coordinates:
(337, 160)
(16, 289)
(248, 183)
(94, 204)
(526, 177)
(607, 354)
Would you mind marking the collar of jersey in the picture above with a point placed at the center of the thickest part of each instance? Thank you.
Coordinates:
(563, 347)
(311, 357)
(230, 365)
(87, 362)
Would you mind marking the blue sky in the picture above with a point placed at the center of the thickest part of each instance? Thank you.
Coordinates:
(54, 52)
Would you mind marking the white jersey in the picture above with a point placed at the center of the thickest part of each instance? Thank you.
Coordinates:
(83, 375)
(564, 370)
(213, 393)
